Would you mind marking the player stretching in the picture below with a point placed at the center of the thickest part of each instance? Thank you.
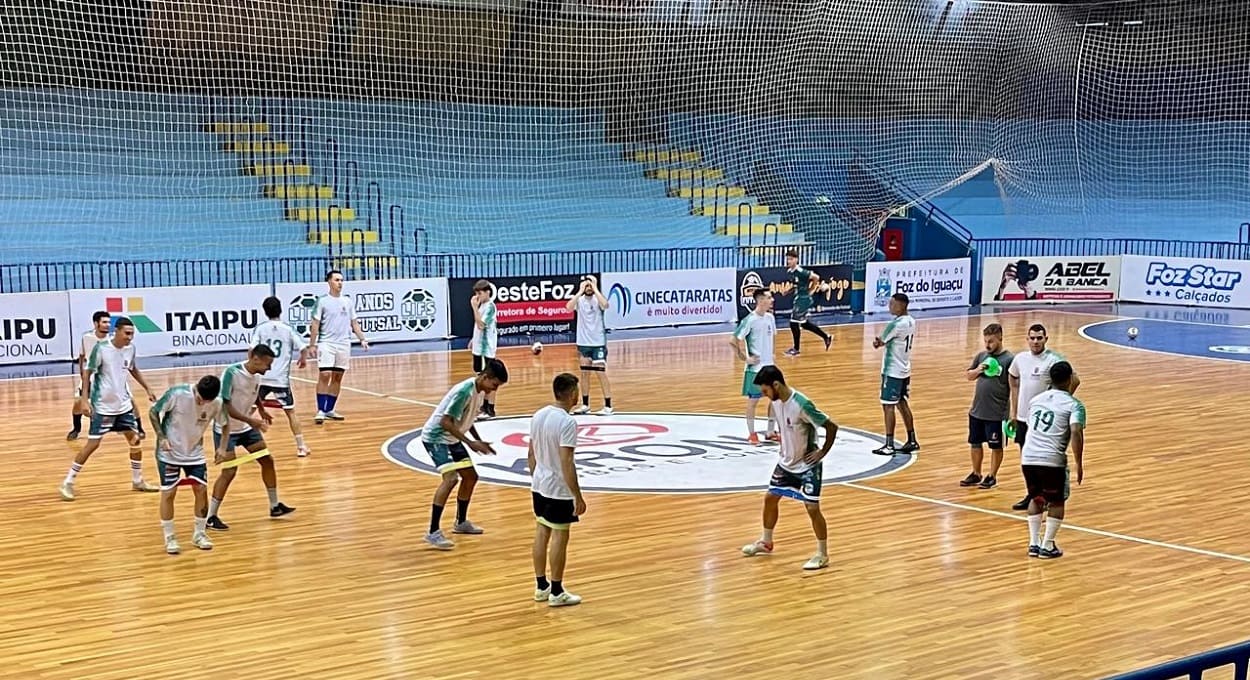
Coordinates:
(592, 342)
(1056, 420)
(804, 281)
(896, 375)
(99, 333)
(485, 337)
(106, 398)
(557, 495)
(445, 436)
(756, 331)
(330, 342)
(240, 392)
(275, 385)
(798, 474)
(1029, 376)
(179, 419)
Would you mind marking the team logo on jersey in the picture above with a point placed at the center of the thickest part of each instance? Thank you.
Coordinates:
(655, 453)
(131, 308)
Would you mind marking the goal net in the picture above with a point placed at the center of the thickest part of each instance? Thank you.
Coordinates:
(157, 130)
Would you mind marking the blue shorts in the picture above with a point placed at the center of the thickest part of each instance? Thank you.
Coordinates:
(894, 390)
(172, 473)
(246, 439)
(102, 424)
(802, 486)
(598, 354)
(448, 457)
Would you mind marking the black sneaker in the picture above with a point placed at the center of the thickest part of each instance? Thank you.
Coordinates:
(280, 510)
(72, 435)
(828, 341)
(971, 480)
(887, 450)
(1022, 505)
(216, 524)
(1050, 553)
(1035, 550)
(910, 446)
(989, 482)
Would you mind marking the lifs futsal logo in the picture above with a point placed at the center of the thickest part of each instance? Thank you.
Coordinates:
(655, 453)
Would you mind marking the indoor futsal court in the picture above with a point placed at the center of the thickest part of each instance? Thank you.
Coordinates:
(926, 580)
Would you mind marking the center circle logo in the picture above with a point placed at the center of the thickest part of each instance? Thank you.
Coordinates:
(655, 453)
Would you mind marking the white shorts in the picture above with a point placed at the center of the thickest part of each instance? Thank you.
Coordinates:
(334, 356)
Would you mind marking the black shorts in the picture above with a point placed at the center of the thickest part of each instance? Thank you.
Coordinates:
(277, 397)
(1022, 429)
(1047, 483)
(985, 432)
(479, 363)
(557, 513)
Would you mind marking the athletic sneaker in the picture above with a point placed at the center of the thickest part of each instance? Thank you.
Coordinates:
(143, 486)
(171, 546)
(1035, 550)
(542, 594)
(467, 527)
(581, 410)
(72, 435)
(67, 491)
(910, 446)
(989, 482)
(972, 479)
(1022, 505)
(438, 540)
(605, 411)
(818, 561)
(280, 510)
(754, 439)
(757, 548)
(319, 418)
(828, 341)
(216, 524)
(335, 415)
(887, 450)
(792, 352)
(774, 437)
(201, 541)
(565, 599)
(1050, 553)
(303, 451)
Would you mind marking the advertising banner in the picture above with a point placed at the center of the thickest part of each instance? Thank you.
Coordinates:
(524, 304)
(1185, 281)
(834, 294)
(928, 284)
(1049, 279)
(669, 298)
(35, 327)
(176, 320)
(388, 311)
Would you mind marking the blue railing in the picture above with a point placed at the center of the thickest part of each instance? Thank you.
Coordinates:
(1192, 667)
(17, 278)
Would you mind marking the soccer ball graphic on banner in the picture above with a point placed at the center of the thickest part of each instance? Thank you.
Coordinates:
(299, 312)
(417, 310)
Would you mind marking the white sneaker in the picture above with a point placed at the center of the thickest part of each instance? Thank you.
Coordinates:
(818, 561)
(171, 546)
(143, 486)
(565, 599)
(303, 451)
(201, 541)
(542, 594)
(757, 548)
(581, 410)
(319, 418)
(605, 411)
(67, 491)
(467, 527)
(438, 540)
(335, 415)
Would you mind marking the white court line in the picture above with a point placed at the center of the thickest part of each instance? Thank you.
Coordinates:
(1073, 527)
(379, 395)
(1135, 348)
(865, 322)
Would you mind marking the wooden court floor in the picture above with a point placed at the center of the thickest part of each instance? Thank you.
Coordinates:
(928, 580)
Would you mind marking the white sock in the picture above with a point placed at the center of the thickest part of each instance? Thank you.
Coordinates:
(136, 471)
(1052, 528)
(167, 525)
(768, 536)
(751, 416)
(299, 440)
(201, 524)
(213, 506)
(822, 547)
(74, 469)
(273, 496)
(1035, 529)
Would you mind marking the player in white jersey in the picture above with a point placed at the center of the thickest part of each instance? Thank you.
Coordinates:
(275, 385)
(592, 342)
(558, 501)
(330, 343)
(99, 333)
(445, 436)
(799, 471)
(240, 393)
(757, 331)
(179, 419)
(1029, 376)
(485, 340)
(897, 340)
(106, 398)
(1056, 421)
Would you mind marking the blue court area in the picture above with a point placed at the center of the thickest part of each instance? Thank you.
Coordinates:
(1203, 333)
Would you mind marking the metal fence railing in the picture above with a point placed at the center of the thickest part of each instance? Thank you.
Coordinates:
(1192, 667)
